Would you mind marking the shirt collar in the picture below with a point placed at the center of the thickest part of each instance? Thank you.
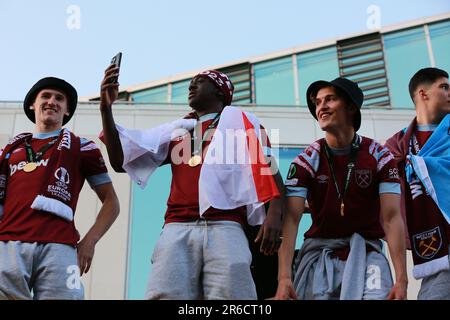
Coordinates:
(345, 150)
(46, 135)
(426, 127)
(207, 117)
(341, 151)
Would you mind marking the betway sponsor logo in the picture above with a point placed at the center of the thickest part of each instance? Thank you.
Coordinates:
(15, 167)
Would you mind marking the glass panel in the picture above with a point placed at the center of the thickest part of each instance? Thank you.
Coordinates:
(148, 207)
(405, 53)
(180, 91)
(316, 65)
(440, 41)
(157, 95)
(274, 82)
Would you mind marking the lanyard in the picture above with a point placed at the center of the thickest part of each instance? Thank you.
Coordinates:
(35, 157)
(350, 166)
(32, 157)
(196, 158)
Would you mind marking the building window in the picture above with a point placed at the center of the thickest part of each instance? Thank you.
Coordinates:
(152, 95)
(241, 79)
(406, 52)
(440, 42)
(274, 82)
(180, 91)
(316, 65)
(361, 60)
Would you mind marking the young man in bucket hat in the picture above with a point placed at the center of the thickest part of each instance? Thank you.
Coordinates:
(349, 181)
(422, 152)
(202, 252)
(41, 176)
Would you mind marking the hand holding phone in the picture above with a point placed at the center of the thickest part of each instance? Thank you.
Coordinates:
(116, 60)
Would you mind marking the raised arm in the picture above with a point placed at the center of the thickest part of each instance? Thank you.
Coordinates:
(108, 94)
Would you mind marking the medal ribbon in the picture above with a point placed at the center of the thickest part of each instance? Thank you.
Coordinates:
(212, 125)
(35, 157)
(350, 166)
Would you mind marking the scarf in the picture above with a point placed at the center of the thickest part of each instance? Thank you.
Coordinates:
(57, 194)
(429, 243)
(432, 166)
(5, 153)
(226, 182)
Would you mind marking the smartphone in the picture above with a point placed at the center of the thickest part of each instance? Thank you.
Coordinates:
(116, 60)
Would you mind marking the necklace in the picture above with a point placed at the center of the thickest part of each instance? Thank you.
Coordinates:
(350, 166)
(196, 157)
(34, 157)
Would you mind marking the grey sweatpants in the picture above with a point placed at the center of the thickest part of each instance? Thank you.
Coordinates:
(201, 260)
(436, 286)
(39, 271)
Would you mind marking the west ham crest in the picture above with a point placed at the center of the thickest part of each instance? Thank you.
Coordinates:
(363, 178)
(428, 243)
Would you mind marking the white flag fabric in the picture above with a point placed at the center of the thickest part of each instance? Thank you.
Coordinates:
(145, 150)
(232, 174)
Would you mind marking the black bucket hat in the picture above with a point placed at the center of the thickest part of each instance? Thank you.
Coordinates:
(51, 83)
(348, 87)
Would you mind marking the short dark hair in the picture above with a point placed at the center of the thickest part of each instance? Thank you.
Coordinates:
(425, 76)
(338, 91)
(341, 93)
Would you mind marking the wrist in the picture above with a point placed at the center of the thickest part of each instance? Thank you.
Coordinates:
(284, 277)
(276, 203)
(92, 238)
(402, 280)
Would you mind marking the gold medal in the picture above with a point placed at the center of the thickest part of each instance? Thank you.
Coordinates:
(342, 208)
(30, 166)
(195, 161)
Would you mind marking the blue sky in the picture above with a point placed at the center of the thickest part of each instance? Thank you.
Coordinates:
(161, 38)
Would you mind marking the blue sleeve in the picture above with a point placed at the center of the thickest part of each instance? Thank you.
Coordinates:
(296, 191)
(389, 187)
(98, 179)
